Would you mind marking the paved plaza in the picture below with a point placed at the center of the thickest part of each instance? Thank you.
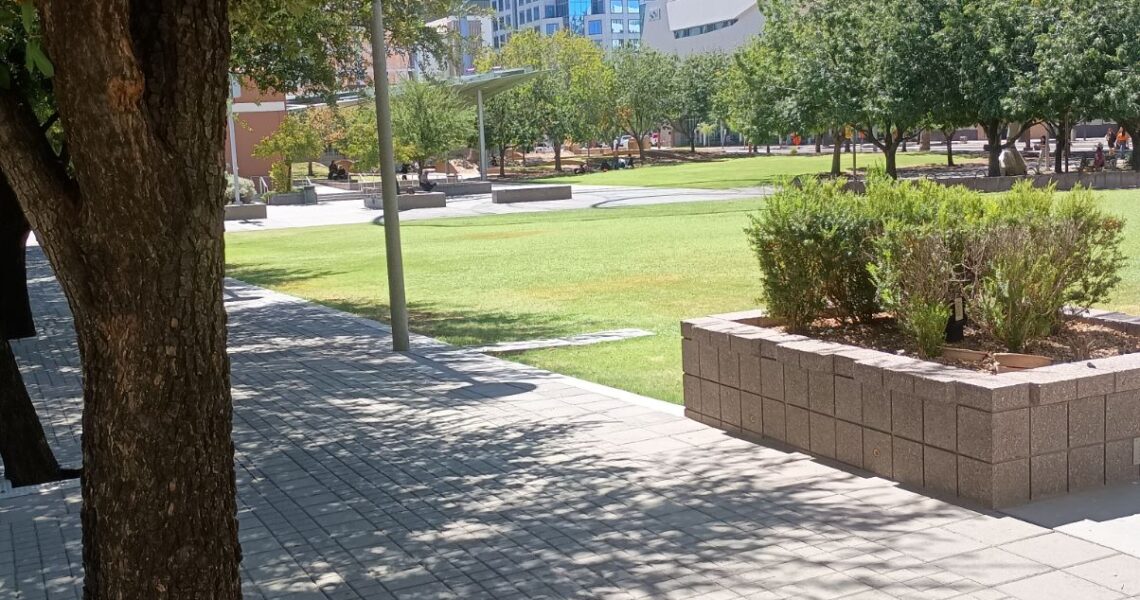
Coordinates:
(445, 473)
(332, 211)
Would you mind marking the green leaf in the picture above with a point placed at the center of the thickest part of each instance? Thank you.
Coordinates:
(28, 15)
(37, 60)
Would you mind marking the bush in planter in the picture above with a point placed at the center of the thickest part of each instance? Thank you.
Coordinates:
(1037, 253)
(912, 247)
(914, 271)
(812, 242)
(248, 191)
(280, 176)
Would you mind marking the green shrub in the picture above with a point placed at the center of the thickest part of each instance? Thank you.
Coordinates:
(812, 242)
(247, 190)
(281, 177)
(1019, 258)
(914, 268)
(1039, 252)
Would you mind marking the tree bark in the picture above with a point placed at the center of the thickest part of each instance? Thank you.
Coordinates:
(924, 141)
(993, 138)
(28, 459)
(558, 157)
(949, 135)
(1133, 129)
(890, 152)
(837, 155)
(819, 143)
(502, 163)
(136, 242)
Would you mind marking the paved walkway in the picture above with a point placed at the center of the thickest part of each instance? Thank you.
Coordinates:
(333, 212)
(444, 473)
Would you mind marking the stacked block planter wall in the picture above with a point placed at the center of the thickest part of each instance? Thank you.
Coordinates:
(998, 440)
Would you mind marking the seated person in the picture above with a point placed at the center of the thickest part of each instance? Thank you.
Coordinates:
(426, 184)
(332, 170)
(1098, 158)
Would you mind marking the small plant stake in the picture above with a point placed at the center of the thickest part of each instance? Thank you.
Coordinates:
(956, 326)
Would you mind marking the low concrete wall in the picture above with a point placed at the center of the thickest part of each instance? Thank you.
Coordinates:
(1104, 180)
(535, 193)
(246, 212)
(292, 198)
(464, 188)
(998, 440)
(409, 201)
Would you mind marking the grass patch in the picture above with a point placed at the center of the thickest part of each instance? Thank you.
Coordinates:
(745, 172)
(518, 277)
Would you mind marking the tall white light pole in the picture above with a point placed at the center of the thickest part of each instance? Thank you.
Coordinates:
(235, 91)
(394, 254)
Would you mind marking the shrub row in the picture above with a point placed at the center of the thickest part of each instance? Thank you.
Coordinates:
(911, 248)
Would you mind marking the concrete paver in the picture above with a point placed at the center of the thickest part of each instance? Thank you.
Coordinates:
(445, 473)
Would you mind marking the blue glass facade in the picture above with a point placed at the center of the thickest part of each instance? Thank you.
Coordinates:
(594, 19)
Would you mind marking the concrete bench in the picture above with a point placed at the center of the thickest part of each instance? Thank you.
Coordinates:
(464, 188)
(409, 201)
(246, 212)
(538, 193)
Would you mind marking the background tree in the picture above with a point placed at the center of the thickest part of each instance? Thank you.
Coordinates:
(1117, 24)
(751, 96)
(330, 125)
(570, 65)
(430, 119)
(294, 140)
(697, 79)
(507, 122)
(644, 94)
(818, 79)
(990, 45)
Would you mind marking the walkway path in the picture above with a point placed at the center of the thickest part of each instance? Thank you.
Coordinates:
(443, 473)
(332, 212)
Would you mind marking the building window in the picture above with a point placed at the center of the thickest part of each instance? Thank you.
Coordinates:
(635, 25)
(617, 26)
(616, 43)
(634, 43)
(617, 6)
(598, 7)
(595, 27)
(634, 6)
(551, 28)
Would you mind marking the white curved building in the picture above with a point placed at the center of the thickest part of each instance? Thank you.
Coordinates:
(685, 27)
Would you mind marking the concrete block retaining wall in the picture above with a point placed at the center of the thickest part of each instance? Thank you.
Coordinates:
(409, 201)
(245, 212)
(536, 193)
(998, 440)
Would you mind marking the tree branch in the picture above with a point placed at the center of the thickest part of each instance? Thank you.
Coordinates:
(49, 197)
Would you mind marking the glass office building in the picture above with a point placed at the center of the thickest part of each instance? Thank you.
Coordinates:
(609, 23)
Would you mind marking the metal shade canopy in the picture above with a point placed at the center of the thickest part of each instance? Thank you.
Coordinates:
(485, 86)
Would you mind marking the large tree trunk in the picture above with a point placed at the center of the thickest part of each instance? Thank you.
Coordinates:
(24, 450)
(1062, 143)
(558, 157)
(837, 155)
(993, 138)
(819, 143)
(27, 457)
(924, 140)
(136, 242)
(502, 163)
(1133, 129)
(949, 135)
(890, 152)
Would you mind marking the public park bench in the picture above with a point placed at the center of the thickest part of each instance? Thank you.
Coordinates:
(537, 193)
(409, 201)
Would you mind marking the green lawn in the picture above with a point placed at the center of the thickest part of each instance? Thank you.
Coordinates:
(743, 172)
(517, 277)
